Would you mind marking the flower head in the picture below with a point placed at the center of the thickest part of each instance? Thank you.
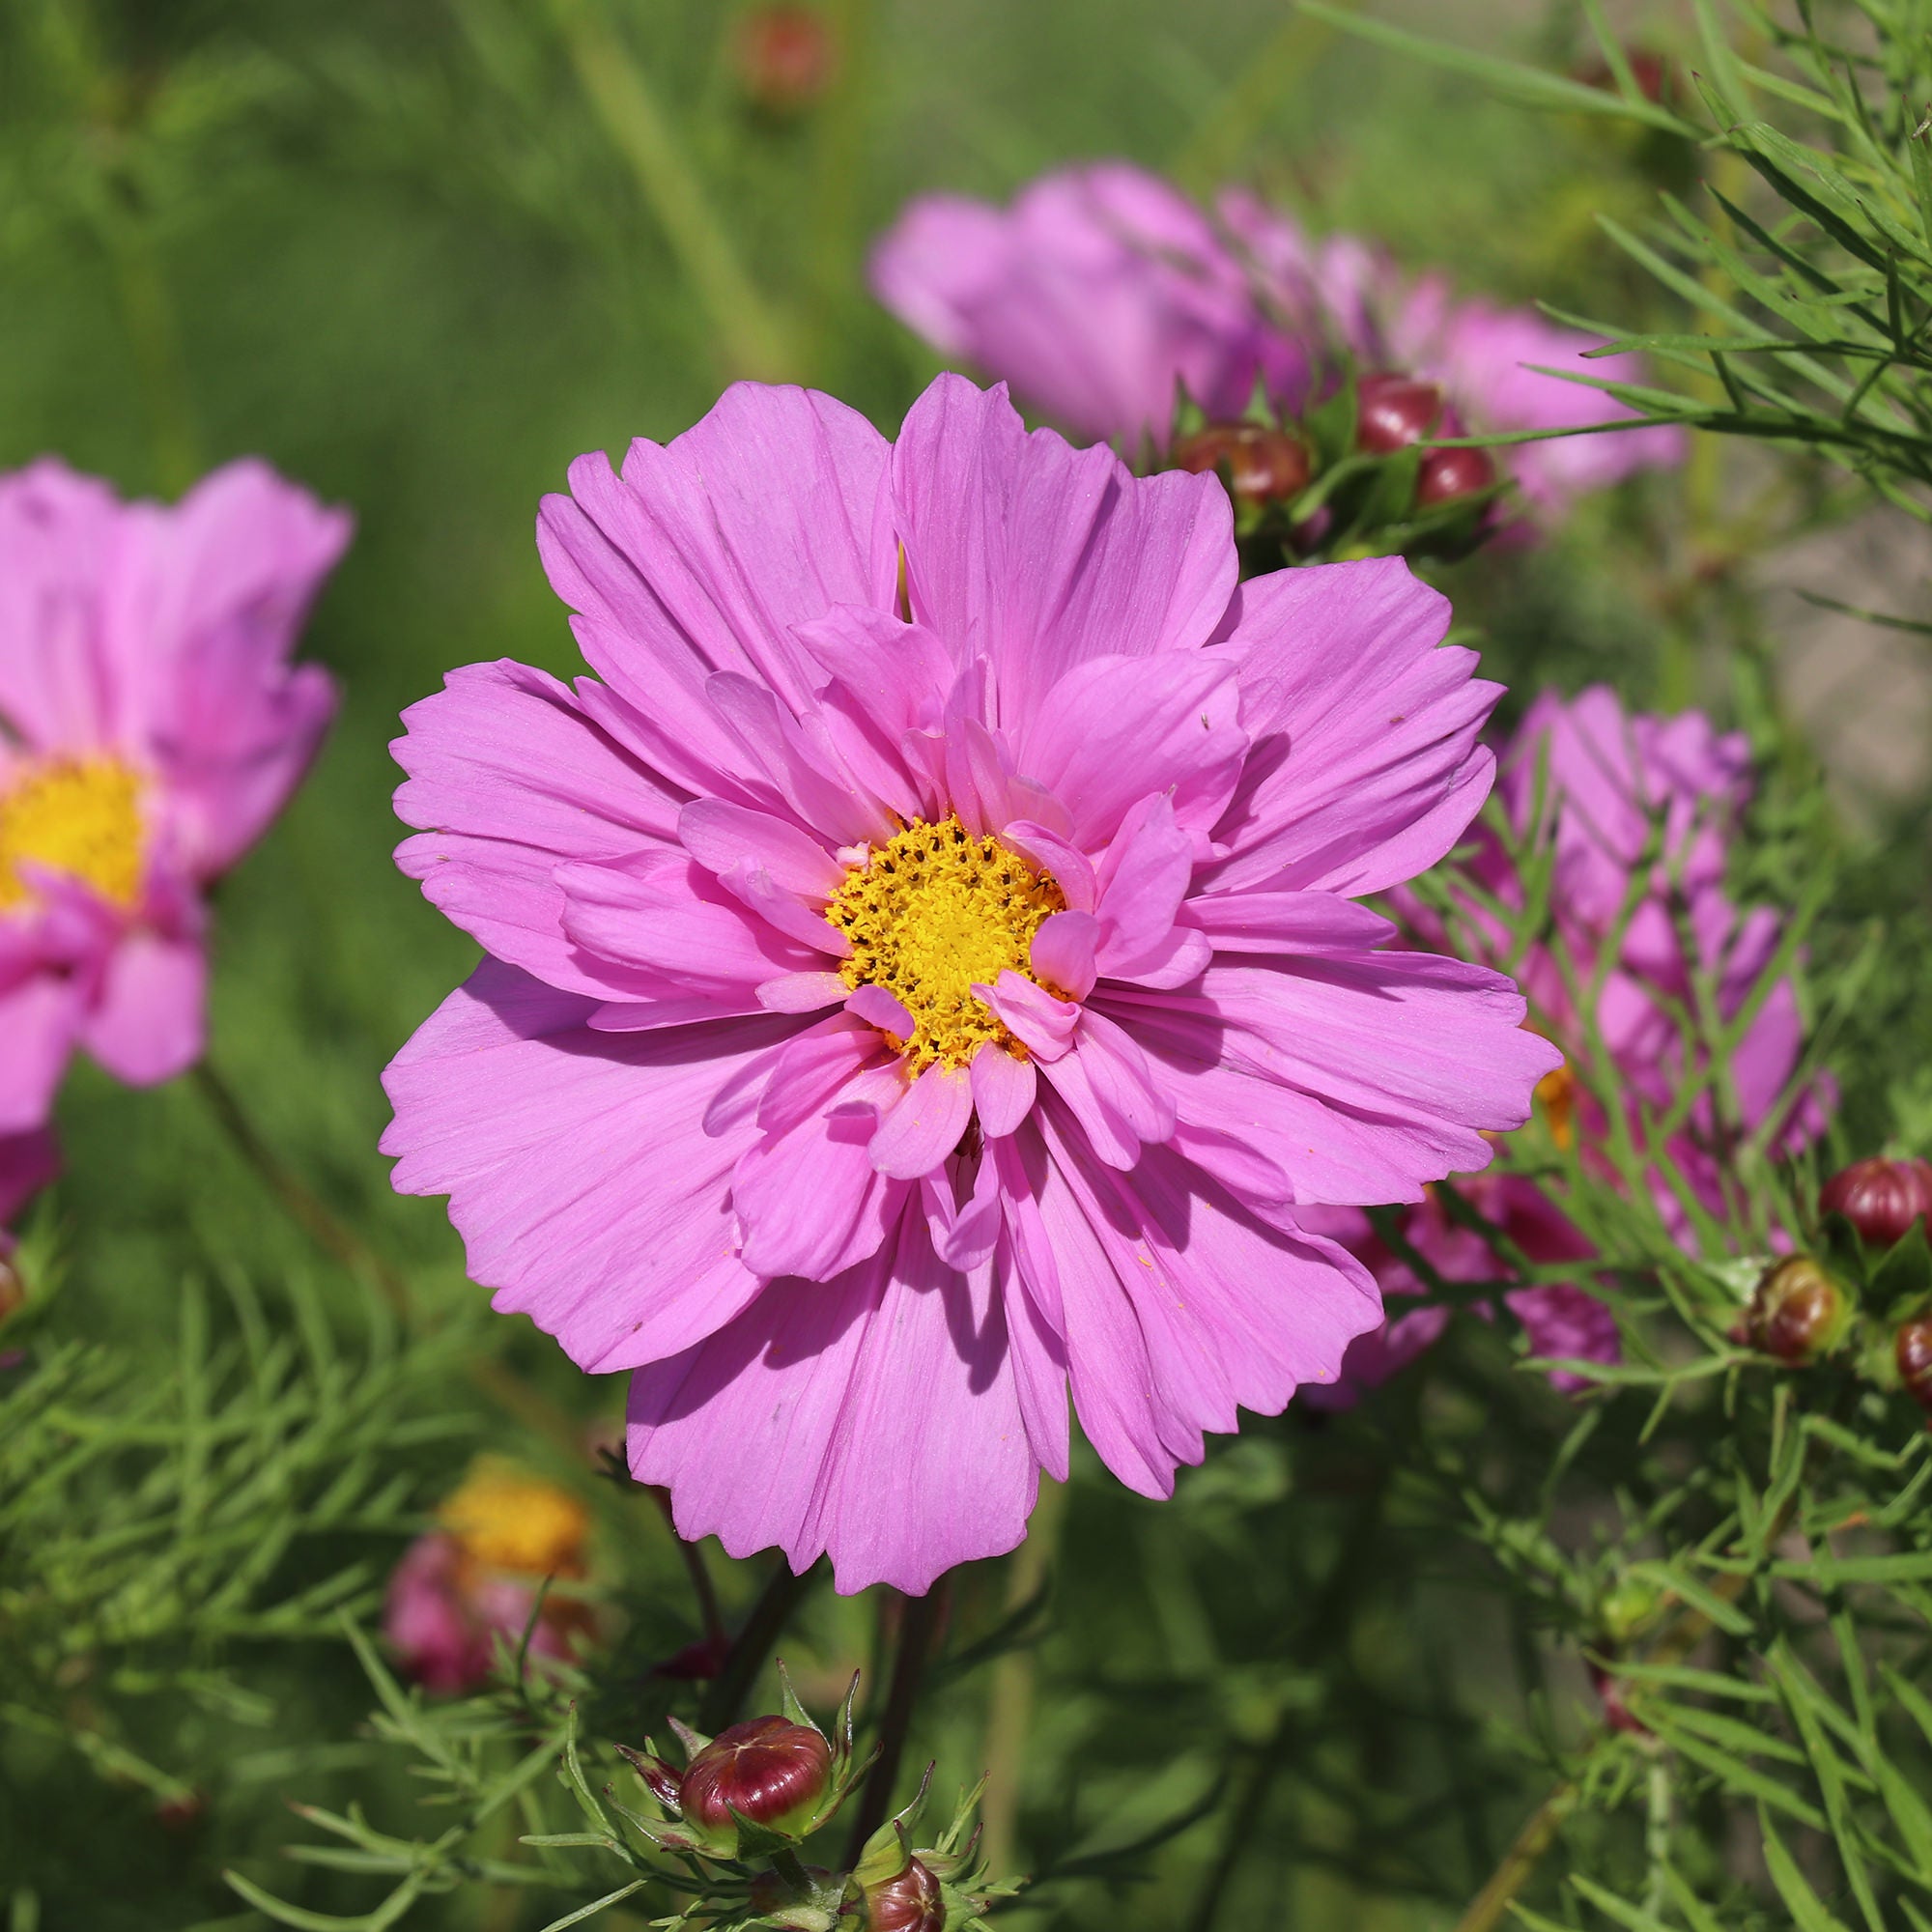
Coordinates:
(462, 1587)
(925, 975)
(1098, 293)
(151, 728)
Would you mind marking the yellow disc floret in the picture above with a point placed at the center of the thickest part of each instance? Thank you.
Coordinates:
(931, 912)
(81, 816)
(508, 1519)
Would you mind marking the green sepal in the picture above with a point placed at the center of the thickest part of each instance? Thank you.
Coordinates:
(1903, 1276)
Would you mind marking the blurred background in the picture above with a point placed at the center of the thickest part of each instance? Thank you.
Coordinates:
(420, 257)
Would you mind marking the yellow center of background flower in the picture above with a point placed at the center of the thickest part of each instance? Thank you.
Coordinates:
(929, 913)
(81, 816)
(509, 1520)
(1558, 1092)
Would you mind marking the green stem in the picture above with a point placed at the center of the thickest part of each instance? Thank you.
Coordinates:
(762, 1629)
(749, 338)
(1539, 1833)
(917, 1630)
(1011, 1701)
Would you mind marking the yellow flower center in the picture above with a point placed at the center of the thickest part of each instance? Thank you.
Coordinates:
(81, 816)
(1558, 1092)
(929, 913)
(508, 1520)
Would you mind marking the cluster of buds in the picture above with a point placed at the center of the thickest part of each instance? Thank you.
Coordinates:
(748, 1797)
(1351, 477)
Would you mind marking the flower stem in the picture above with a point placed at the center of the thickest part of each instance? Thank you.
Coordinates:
(1488, 1907)
(917, 1630)
(702, 1584)
(762, 1629)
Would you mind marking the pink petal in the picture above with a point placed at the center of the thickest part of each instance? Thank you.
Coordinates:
(873, 1417)
(1002, 1090)
(1042, 1023)
(39, 1017)
(722, 836)
(28, 1162)
(1064, 951)
(148, 1018)
(927, 1125)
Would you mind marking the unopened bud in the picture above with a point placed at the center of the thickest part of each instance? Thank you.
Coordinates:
(910, 1901)
(1880, 1198)
(1798, 1312)
(695, 1661)
(1617, 1714)
(1650, 71)
(1447, 474)
(784, 57)
(1392, 411)
(1264, 465)
(1912, 1350)
(768, 1769)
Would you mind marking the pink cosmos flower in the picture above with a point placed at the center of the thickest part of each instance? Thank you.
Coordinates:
(151, 728)
(1097, 291)
(1561, 1320)
(924, 975)
(1610, 778)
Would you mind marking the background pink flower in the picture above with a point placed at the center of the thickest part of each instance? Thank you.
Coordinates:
(1097, 291)
(925, 979)
(150, 726)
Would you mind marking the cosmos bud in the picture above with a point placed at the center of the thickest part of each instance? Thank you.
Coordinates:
(1880, 1198)
(1448, 473)
(768, 1769)
(909, 1901)
(1798, 1312)
(1912, 1350)
(784, 58)
(1392, 411)
(1263, 465)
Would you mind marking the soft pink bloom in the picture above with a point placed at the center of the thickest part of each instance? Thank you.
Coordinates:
(444, 1613)
(1095, 294)
(1613, 783)
(1561, 1320)
(150, 726)
(860, 1201)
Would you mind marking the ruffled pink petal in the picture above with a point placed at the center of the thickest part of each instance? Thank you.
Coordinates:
(539, 1130)
(1064, 953)
(728, 838)
(1179, 1308)
(148, 1018)
(1115, 730)
(1365, 767)
(1038, 556)
(1107, 1084)
(872, 1416)
(508, 778)
(1004, 1088)
(713, 548)
(39, 1018)
(925, 1126)
(1289, 923)
(1042, 1023)
(199, 617)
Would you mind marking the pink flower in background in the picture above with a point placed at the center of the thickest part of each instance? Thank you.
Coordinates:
(463, 1587)
(151, 728)
(1561, 1320)
(1611, 778)
(925, 973)
(27, 1163)
(1095, 294)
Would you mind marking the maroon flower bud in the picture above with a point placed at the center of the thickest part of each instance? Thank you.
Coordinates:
(13, 1290)
(783, 56)
(1392, 411)
(1880, 1198)
(1617, 1714)
(1448, 473)
(1911, 1350)
(1798, 1312)
(768, 1769)
(1651, 72)
(1264, 464)
(909, 1902)
(181, 1813)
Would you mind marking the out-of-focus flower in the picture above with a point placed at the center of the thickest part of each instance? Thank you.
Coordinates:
(461, 1588)
(1099, 294)
(1798, 1312)
(151, 728)
(922, 979)
(784, 57)
(1880, 1198)
(1609, 778)
(1561, 1320)
(1912, 1353)
(27, 1163)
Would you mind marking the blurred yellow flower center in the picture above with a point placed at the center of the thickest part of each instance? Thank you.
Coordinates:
(930, 912)
(510, 1520)
(81, 816)
(1558, 1092)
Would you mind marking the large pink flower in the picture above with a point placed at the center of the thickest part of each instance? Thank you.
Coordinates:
(150, 726)
(925, 973)
(1097, 293)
